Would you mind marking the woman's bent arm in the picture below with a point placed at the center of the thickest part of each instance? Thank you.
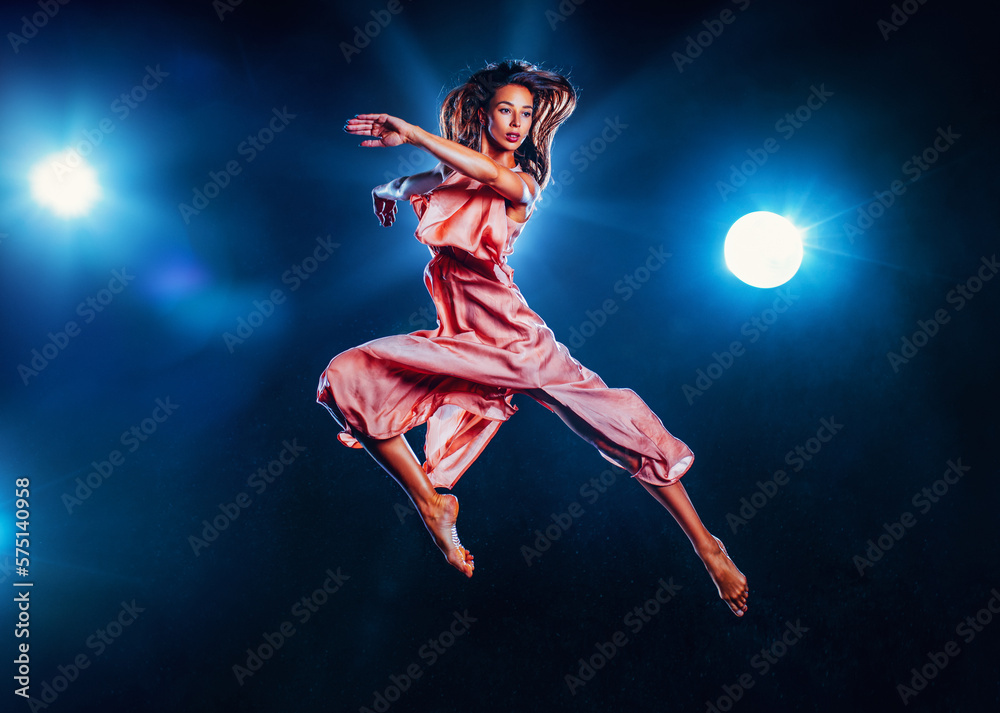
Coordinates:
(473, 164)
(403, 187)
(388, 131)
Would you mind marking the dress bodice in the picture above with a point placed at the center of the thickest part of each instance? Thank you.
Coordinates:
(466, 214)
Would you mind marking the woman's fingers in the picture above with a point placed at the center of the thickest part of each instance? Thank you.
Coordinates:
(381, 136)
(385, 211)
(368, 131)
(359, 127)
(383, 129)
(356, 125)
(372, 119)
(365, 123)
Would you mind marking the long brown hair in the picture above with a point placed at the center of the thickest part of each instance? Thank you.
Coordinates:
(554, 100)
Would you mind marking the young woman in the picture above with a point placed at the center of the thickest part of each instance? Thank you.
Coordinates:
(460, 377)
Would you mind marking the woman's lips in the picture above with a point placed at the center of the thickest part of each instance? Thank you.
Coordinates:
(513, 138)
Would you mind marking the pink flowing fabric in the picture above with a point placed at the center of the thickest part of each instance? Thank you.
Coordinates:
(460, 377)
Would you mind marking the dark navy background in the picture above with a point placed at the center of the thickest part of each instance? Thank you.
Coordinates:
(637, 168)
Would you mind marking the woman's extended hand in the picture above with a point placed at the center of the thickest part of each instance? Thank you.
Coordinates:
(385, 208)
(385, 130)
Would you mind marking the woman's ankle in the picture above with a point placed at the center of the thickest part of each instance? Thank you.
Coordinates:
(429, 506)
(708, 547)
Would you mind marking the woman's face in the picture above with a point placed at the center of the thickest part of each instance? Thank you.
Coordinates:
(508, 119)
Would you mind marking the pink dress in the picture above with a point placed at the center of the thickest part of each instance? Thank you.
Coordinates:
(460, 377)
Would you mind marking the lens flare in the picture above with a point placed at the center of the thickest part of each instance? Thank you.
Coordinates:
(64, 183)
(763, 249)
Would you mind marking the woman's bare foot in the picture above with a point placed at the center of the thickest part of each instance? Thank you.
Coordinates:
(439, 518)
(730, 582)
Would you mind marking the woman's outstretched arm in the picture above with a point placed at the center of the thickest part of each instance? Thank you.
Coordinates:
(392, 131)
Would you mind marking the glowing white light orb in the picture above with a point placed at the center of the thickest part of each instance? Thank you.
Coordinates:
(763, 249)
(64, 183)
